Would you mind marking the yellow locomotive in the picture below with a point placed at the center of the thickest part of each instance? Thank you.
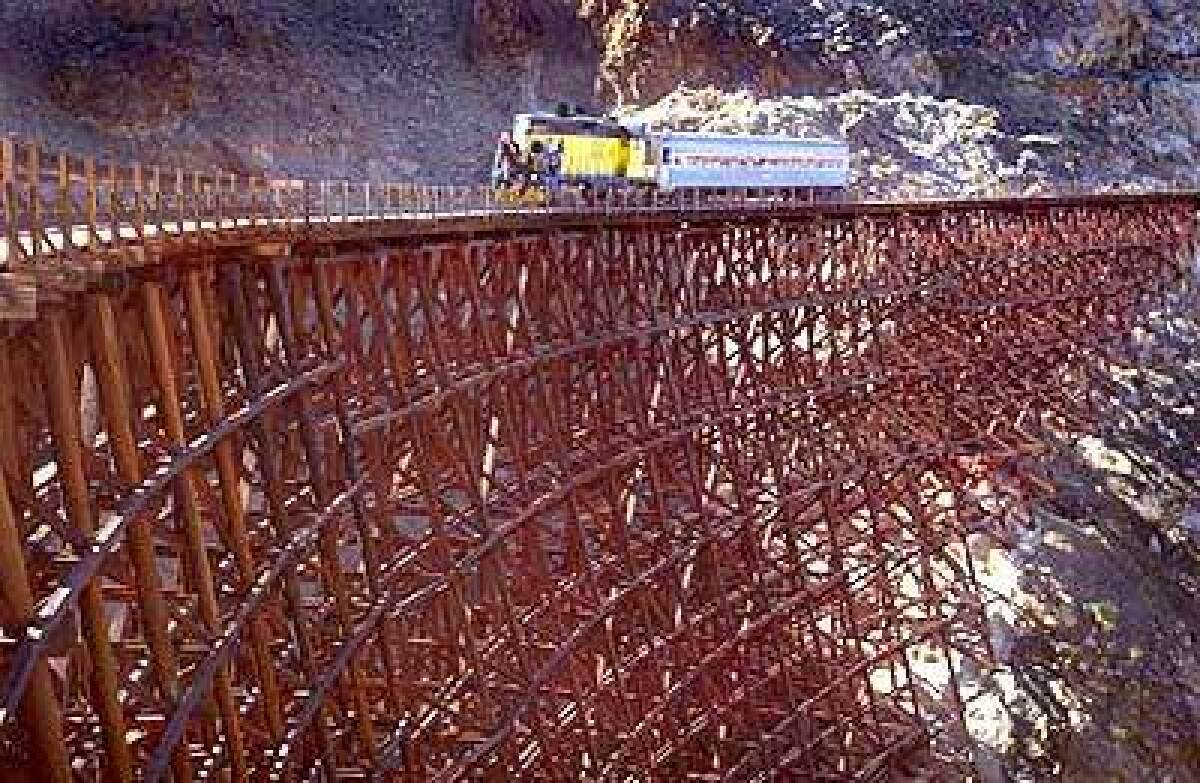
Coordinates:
(596, 152)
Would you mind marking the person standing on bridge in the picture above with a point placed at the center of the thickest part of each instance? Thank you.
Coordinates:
(554, 165)
(506, 162)
(535, 165)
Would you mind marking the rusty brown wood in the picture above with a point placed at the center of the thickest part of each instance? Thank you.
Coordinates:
(369, 530)
(40, 716)
(269, 443)
(12, 209)
(10, 457)
(64, 421)
(33, 197)
(189, 515)
(330, 536)
(231, 490)
(114, 388)
(639, 494)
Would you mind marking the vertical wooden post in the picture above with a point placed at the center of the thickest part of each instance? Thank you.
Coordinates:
(285, 208)
(229, 477)
(196, 211)
(91, 200)
(266, 431)
(40, 714)
(63, 403)
(139, 210)
(10, 457)
(218, 202)
(251, 210)
(115, 208)
(8, 175)
(322, 292)
(114, 387)
(63, 208)
(327, 539)
(239, 209)
(156, 218)
(179, 213)
(33, 176)
(189, 514)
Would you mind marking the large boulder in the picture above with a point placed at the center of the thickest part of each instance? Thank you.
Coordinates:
(125, 76)
(908, 69)
(1125, 36)
(1175, 113)
(511, 28)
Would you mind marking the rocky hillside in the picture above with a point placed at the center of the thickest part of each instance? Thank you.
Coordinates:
(1096, 603)
(934, 95)
(1020, 93)
(404, 89)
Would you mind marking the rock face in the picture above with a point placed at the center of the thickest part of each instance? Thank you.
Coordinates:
(649, 50)
(401, 89)
(537, 36)
(403, 86)
(652, 47)
(126, 83)
(1112, 80)
(510, 28)
(890, 45)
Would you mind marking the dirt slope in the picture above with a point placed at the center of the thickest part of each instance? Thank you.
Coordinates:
(356, 88)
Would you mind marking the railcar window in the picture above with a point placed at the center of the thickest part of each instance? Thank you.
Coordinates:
(817, 159)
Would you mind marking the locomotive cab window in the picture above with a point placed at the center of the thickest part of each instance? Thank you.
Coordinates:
(557, 126)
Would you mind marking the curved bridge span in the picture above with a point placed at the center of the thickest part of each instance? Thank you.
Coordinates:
(665, 492)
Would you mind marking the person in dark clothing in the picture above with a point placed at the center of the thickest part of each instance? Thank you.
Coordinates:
(554, 167)
(537, 163)
(507, 163)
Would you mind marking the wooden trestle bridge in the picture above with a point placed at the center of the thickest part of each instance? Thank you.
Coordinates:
(313, 481)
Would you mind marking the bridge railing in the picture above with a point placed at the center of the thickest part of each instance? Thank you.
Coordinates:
(69, 206)
(56, 203)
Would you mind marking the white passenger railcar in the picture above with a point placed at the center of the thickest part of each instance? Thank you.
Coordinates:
(711, 161)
